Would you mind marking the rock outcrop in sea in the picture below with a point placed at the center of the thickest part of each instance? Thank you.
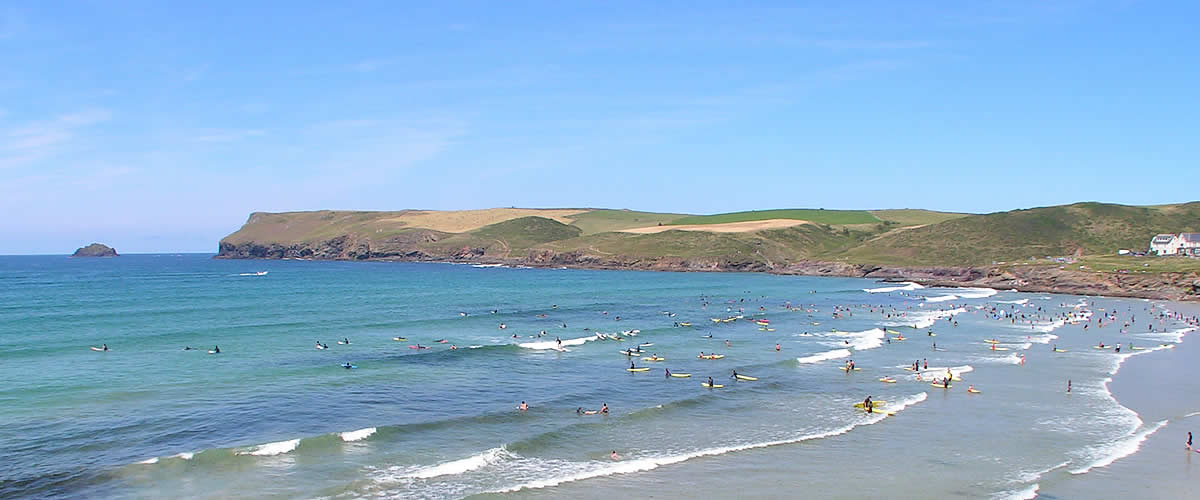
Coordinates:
(96, 250)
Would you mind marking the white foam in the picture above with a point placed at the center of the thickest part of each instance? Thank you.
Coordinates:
(187, 455)
(357, 435)
(575, 471)
(861, 341)
(1028, 493)
(552, 344)
(928, 319)
(905, 287)
(1105, 455)
(1192, 414)
(817, 358)
(976, 293)
(149, 461)
(941, 298)
(269, 449)
(462, 465)
(1026, 346)
(1017, 302)
(1043, 339)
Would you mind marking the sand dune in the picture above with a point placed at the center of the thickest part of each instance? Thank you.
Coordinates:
(730, 227)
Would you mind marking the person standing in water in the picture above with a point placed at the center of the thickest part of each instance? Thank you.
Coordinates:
(523, 406)
(1189, 443)
(1068, 385)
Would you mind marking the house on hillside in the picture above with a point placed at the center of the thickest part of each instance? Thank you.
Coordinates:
(1176, 244)
(1191, 244)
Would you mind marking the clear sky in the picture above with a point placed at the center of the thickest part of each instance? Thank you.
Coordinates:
(159, 126)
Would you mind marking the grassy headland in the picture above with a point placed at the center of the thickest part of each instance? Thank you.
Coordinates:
(1003, 247)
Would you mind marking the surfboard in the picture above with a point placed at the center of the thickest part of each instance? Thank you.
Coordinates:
(343, 343)
(716, 386)
(877, 403)
(888, 380)
(399, 338)
(98, 349)
(997, 348)
(1100, 347)
(715, 356)
(885, 412)
(747, 378)
(1060, 350)
(846, 368)
(213, 352)
(973, 391)
(681, 375)
(940, 386)
(654, 359)
(637, 369)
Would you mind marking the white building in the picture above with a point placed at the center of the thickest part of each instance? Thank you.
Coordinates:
(1176, 244)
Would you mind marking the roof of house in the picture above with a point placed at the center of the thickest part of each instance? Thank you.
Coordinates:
(1164, 238)
(1190, 237)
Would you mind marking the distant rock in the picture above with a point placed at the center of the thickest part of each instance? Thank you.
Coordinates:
(96, 250)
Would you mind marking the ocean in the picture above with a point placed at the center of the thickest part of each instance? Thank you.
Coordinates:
(274, 416)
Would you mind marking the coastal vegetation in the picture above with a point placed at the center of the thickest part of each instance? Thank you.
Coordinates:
(1003, 249)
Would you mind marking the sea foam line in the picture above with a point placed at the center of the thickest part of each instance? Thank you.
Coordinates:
(1119, 449)
(650, 463)
(861, 341)
(269, 449)
(460, 466)
(1028, 493)
(357, 435)
(553, 344)
(905, 287)
(817, 358)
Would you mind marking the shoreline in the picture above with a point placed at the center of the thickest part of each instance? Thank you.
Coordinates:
(1179, 287)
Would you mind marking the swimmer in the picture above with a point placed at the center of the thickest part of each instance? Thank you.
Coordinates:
(523, 406)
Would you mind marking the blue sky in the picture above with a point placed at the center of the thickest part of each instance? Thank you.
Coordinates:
(157, 126)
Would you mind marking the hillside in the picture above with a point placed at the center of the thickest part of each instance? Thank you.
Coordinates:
(901, 244)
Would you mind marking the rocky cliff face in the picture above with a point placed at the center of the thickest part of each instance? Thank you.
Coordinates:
(413, 247)
(95, 250)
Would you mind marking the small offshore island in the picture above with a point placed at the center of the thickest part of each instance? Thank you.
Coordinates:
(1083, 248)
(96, 250)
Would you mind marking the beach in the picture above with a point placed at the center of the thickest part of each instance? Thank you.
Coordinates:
(434, 414)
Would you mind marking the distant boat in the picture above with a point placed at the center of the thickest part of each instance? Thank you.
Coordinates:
(261, 273)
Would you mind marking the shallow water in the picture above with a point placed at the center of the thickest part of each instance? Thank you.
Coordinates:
(272, 416)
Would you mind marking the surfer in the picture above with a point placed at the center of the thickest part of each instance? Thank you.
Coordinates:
(926, 361)
(347, 366)
(868, 404)
(558, 340)
(726, 342)
(1068, 385)
(604, 408)
(668, 375)
(216, 349)
(631, 367)
(188, 348)
(710, 382)
(345, 340)
(523, 406)
(734, 376)
(946, 383)
(614, 456)
(970, 388)
(776, 347)
(852, 364)
(104, 347)
(1189, 443)
(1118, 349)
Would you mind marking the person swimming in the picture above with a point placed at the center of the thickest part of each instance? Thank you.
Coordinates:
(603, 407)
(776, 347)
(614, 456)
(347, 366)
(523, 406)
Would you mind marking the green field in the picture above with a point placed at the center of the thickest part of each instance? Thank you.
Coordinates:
(602, 221)
(915, 217)
(832, 217)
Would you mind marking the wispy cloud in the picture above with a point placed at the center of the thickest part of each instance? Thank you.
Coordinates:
(28, 143)
(369, 65)
(229, 135)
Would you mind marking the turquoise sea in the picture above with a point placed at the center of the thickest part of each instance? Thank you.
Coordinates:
(273, 416)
